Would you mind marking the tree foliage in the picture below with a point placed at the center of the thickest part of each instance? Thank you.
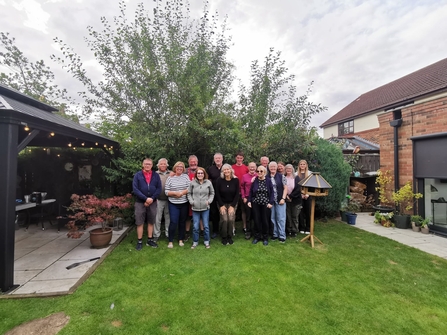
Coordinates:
(34, 79)
(330, 163)
(276, 121)
(166, 81)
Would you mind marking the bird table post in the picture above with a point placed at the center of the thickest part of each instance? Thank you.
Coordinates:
(316, 186)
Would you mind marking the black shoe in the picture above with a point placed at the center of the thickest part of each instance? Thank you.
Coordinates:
(224, 241)
(274, 238)
(247, 235)
(152, 244)
(265, 242)
(214, 236)
(186, 236)
(281, 240)
(139, 246)
(293, 235)
(230, 241)
(255, 241)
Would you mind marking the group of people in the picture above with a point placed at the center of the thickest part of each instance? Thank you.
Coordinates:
(268, 197)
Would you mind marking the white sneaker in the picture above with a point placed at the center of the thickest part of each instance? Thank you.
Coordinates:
(301, 231)
(307, 233)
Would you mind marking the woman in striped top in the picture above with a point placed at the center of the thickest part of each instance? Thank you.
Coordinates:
(176, 189)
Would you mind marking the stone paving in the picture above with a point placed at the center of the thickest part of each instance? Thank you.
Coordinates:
(41, 258)
(429, 243)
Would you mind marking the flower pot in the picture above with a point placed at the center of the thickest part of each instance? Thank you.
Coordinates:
(425, 230)
(416, 228)
(100, 238)
(343, 216)
(402, 221)
(383, 209)
(351, 217)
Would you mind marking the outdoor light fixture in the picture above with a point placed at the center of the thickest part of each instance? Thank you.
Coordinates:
(26, 128)
(96, 143)
(82, 143)
(69, 144)
(316, 186)
(51, 134)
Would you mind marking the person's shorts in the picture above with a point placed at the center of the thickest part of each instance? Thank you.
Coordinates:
(145, 214)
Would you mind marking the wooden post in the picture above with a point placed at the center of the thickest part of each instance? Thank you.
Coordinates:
(311, 236)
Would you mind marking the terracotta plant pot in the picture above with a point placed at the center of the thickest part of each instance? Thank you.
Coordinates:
(100, 238)
(425, 230)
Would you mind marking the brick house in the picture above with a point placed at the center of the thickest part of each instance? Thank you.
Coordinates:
(407, 118)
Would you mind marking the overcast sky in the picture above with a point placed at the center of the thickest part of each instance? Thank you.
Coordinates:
(346, 47)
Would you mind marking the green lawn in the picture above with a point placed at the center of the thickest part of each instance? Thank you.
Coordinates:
(356, 283)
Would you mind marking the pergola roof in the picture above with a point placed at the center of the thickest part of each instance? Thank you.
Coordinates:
(20, 109)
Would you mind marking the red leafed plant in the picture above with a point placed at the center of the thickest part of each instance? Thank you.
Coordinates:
(90, 210)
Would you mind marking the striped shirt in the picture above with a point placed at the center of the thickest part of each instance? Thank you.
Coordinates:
(177, 183)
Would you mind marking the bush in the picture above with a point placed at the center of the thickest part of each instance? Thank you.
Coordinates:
(332, 166)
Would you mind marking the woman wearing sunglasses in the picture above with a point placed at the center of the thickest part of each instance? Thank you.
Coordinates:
(259, 200)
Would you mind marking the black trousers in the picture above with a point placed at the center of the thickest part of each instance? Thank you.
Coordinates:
(262, 220)
(304, 222)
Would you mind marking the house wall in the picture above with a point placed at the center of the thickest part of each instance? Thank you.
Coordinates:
(427, 117)
(361, 125)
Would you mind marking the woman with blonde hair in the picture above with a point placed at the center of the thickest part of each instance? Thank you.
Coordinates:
(176, 189)
(227, 196)
(200, 197)
(304, 222)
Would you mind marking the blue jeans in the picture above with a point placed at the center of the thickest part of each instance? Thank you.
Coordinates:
(205, 215)
(279, 220)
(178, 214)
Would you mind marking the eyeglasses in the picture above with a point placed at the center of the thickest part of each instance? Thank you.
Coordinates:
(259, 171)
(199, 172)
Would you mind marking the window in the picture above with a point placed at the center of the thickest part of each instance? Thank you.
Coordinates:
(346, 128)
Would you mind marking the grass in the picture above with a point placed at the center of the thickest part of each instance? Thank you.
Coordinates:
(356, 283)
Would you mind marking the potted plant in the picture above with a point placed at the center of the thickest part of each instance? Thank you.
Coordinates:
(90, 210)
(344, 208)
(351, 211)
(383, 182)
(404, 199)
(416, 222)
(384, 219)
(424, 226)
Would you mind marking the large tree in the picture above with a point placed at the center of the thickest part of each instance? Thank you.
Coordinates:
(275, 119)
(166, 81)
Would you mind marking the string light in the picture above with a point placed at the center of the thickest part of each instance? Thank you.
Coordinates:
(51, 134)
(69, 144)
(26, 128)
(82, 143)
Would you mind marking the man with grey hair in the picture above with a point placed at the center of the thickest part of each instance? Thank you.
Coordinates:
(214, 174)
(278, 215)
(162, 207)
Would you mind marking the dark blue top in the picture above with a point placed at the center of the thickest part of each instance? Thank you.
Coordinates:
(254, 188)
(142, 190)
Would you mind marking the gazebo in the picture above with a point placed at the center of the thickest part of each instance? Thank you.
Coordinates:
(25, 121)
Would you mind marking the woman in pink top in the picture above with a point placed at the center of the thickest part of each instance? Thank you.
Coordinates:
(246, 182)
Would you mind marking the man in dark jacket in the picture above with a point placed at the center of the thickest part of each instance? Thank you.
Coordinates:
(146, 188)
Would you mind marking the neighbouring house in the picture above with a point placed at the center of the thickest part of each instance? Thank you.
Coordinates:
(407, 118)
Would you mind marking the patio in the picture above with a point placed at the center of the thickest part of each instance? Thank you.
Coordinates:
(41, 258)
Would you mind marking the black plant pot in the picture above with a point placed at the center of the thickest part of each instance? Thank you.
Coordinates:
(383, 209)
(402, 221)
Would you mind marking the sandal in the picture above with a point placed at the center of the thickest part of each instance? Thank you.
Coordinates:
(180, 243)
(170, 245)
(194, 246)
(207, 246)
